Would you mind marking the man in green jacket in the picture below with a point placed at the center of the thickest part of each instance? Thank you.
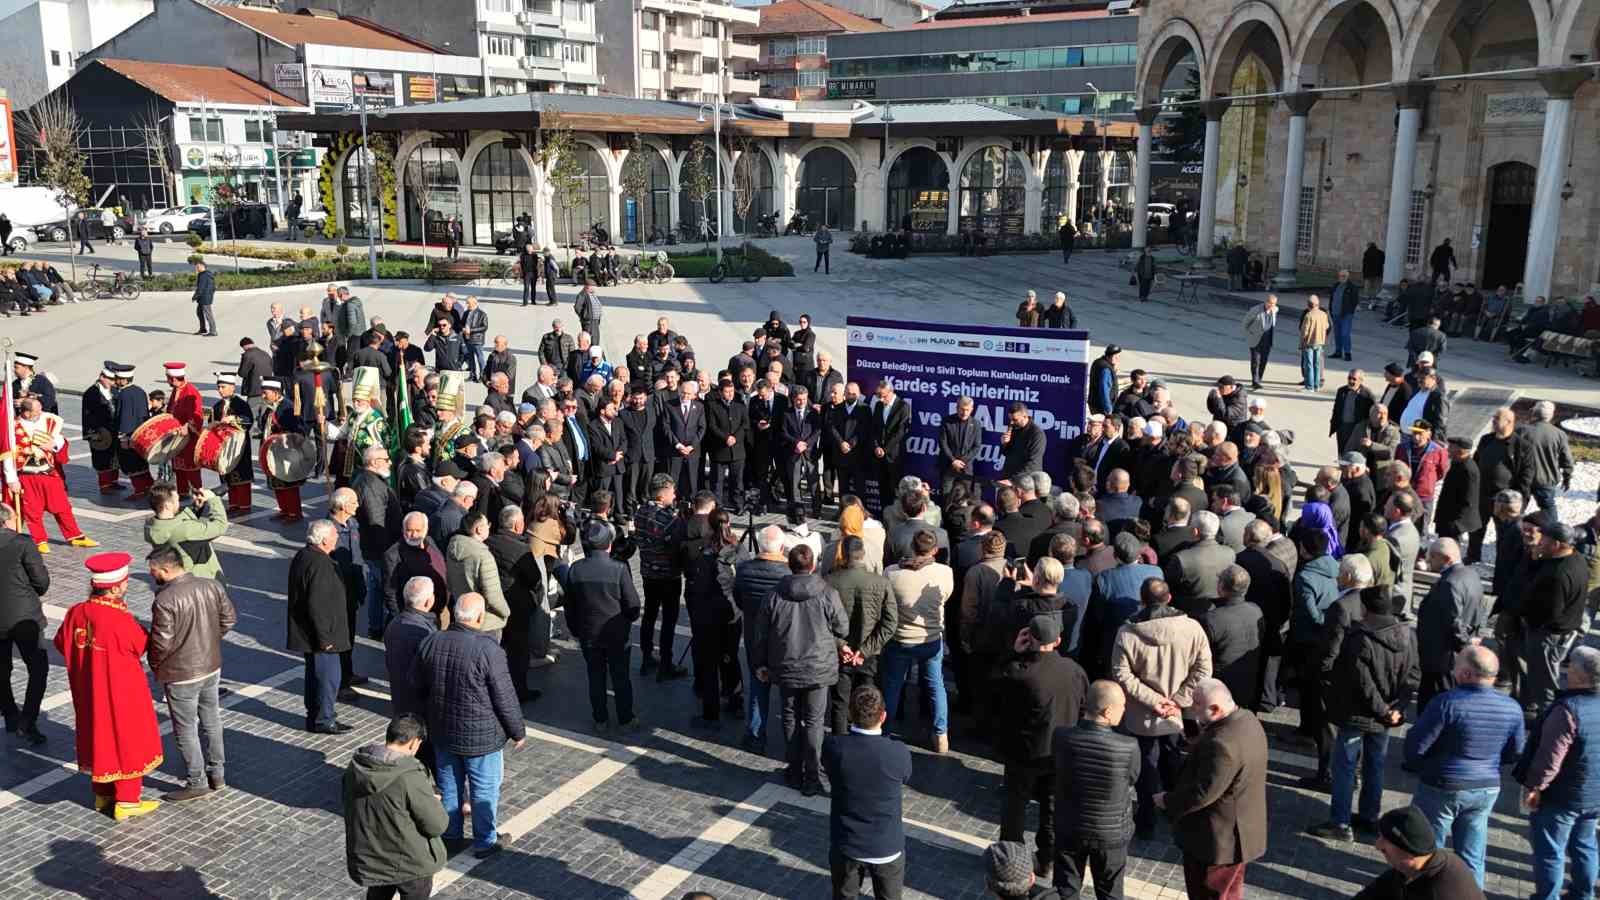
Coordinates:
(190, 533)
(392, 820)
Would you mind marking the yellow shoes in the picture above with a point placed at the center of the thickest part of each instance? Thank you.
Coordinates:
(44, 546)
(125, 811)
(84, 540)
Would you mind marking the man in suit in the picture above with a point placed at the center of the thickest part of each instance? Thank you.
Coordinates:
(1402, 533)
(765, 414)
(847, 424)
(683, 427)
(608, 450)
(602, 604)
(891, 424)
(528, 264)
(797, 449)
(1218, 806)
(868, 771)
(1352, 405)
(1022, 444)
(960, 436)
(727, 435)
(575, 437)
(205, 290)
(319, 627)
(1192, 572)
(1259, 324)
(639, 426)
(587, 308)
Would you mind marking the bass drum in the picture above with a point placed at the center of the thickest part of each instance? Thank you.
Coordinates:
(219, 447)
(159, 439)
(288, 458)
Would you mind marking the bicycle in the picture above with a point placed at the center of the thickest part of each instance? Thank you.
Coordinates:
(736, 264)
(117, 284)
(648, 267)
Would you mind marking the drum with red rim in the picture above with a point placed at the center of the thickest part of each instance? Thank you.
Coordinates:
(159, 439)
(288, 457)
(219, 447)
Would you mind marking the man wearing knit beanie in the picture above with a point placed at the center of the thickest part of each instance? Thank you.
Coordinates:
(1418, 868)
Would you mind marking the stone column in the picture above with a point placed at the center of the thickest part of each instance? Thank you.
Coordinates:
(1554, 154)
(1206, 227)
(1141, 176)
(1294, 170)
(1411, 98)
(1102, 188)
(1071, 161)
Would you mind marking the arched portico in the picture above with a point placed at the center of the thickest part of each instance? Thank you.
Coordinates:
(1256, 28)
(1176, 41)
(1355, 26)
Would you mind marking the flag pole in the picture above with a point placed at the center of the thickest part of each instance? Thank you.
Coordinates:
(8, 459)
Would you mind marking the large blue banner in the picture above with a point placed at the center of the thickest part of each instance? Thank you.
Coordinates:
(933, 365)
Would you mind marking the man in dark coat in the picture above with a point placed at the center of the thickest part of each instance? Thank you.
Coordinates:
(683, 428)
(1450, 617)
(891, 425)
(205, 290)
(1456, 507)
(639, 428)
(608, 451)
(522, 584)
(865, 819)
(1218, 807)
(960, 436)
(847, 431)
(1022, 444)
(1352, 406)
(1271, 590)
(415, 555)
(1236, 628)
(1097, 768)
(1036, 693)
(400, 641)
(318, 625)
(727, 435)
(23, 582)
(601, 605)
(799, 432)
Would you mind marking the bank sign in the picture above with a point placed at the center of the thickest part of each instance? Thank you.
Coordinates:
(933, 365)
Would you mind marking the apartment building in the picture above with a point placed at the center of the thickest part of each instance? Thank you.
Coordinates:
(792, 42)
(675, 49)
(41, 40)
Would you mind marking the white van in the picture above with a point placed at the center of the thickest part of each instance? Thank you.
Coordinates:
(29, 206)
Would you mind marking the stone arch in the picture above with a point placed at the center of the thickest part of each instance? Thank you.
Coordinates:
(1315, 39)
(470, 157)
(899, 148)
(1167, 50)
(1252, 28)
(414, 141)
(981, 144)
(841, 146)
(762, 149)
(1578, 30)
(1430, 29)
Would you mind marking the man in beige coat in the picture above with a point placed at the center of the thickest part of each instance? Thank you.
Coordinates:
(1158, 658)
(1313, 336)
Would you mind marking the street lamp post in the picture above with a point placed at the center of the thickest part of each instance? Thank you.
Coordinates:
(1099, 122)
(716, 150)
(887, 118)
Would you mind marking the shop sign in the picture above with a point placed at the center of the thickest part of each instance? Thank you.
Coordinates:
(848, 88)
(289, 75)
(331, 86)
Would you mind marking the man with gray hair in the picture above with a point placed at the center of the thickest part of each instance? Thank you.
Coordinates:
(1457, 747)
(754, 581)
(1450, 618)
(319, 628)
(446, 521)
(379, 511)
(1235, 628)
(472, 712)
(1558, 773)
(1193, 571)
(400, 641)
(601, 606)
(1063, 520)
(1544, 458)
(522, 584)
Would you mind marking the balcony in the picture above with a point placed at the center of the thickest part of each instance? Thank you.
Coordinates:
(686, 81)
(720, 11)
(740, 50)
(543, 64)
(734, 84)
(681, 42)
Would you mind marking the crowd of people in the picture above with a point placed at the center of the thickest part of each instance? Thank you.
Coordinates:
(1111, 635)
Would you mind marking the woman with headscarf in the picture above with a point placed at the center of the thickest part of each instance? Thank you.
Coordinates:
(1317, 515)
(853, 522)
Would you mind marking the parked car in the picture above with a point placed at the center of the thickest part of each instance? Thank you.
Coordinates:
(59, 229)
(1161, 214)
(252, 220)
(29, 206)
(22, 239)
(166, 221)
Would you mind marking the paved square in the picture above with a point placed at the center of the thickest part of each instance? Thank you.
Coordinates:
(588, 817)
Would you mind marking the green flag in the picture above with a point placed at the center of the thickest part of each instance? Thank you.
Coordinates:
(400, 425)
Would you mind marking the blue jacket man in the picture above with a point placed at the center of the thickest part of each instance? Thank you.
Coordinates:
(868, 771)
(1560, 772)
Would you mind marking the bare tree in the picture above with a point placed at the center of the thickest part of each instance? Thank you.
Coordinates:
(636, 179)
(699, 178)
(421, 189)
(558, 155)
(54, 127)
(160, 150)
(746, 176)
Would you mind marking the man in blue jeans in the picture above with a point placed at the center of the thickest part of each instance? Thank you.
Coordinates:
(472, 712)
(753, 583)
(1457, 747)
(1560, 772)
(1344, 298)
(1374, 677)
(920, 587)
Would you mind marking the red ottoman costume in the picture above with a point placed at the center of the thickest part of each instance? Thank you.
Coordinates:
(117, 737)
(186, 405)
